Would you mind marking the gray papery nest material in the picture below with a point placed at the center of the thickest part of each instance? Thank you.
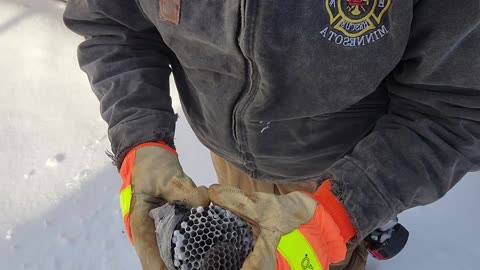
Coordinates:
(202, 238)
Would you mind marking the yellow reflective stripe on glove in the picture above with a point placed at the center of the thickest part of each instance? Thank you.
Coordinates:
(293, 246)
(125, 202)
(125, 199)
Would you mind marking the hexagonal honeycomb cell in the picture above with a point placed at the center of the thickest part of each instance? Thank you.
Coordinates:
(211, 238)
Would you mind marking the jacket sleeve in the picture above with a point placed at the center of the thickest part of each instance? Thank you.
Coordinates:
(127, 64)
(430, 137)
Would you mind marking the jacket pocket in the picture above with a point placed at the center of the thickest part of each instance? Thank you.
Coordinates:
(370, 106)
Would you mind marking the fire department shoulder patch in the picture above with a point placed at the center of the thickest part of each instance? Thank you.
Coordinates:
(355, 23)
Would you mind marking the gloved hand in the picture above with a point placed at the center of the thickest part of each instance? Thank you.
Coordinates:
(152, 176)
(297, 231)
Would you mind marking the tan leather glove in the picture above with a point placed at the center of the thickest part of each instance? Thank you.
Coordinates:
(296, 231)
(152, 176)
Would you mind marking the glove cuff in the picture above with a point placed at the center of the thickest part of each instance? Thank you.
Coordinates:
(161, 144)
(336, 210)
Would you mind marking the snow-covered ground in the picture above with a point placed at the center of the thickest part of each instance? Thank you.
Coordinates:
(59, 205)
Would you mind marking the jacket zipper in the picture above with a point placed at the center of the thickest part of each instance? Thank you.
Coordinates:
(247, 97)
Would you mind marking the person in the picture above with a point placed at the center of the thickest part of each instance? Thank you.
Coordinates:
(325, 118)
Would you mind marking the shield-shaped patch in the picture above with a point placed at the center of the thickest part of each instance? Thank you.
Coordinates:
(355, 17)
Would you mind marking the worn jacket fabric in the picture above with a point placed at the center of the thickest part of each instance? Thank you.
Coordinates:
(382, 95)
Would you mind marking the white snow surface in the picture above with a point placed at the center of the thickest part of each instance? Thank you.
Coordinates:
(59, 204)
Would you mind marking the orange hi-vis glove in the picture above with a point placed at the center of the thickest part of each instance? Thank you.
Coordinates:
(297, 231)
(152, 176)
